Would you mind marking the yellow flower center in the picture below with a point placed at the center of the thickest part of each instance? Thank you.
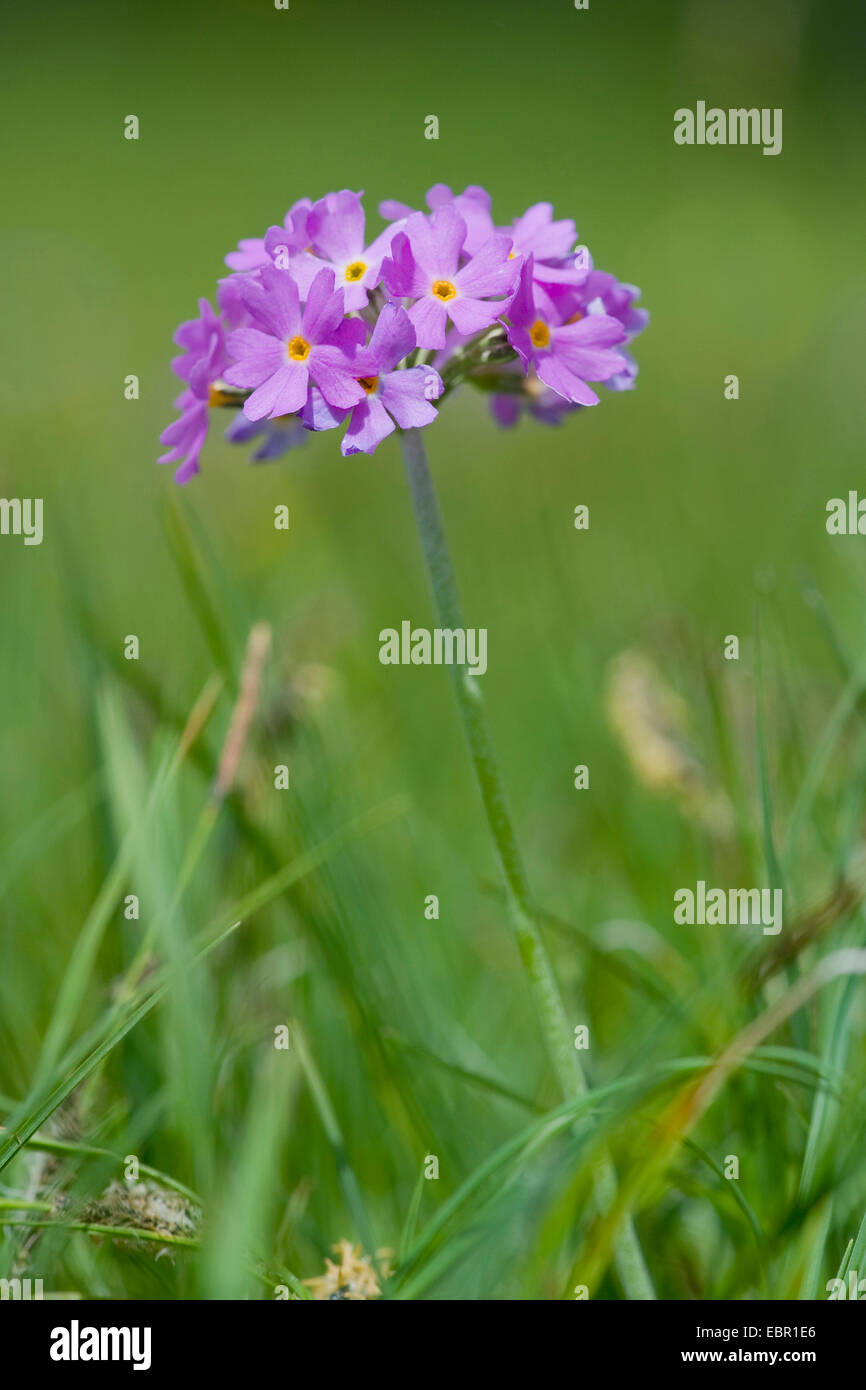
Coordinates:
(575, 318)
(355, 272)
(369, 383)
(539, 334)
(299, 349)
(443, 289)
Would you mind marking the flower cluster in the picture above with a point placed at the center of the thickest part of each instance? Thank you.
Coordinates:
(316, 328)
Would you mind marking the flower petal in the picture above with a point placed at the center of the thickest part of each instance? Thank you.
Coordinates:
(536, 231)
(471, 315)
(274, 302)
(521, 310)
(429, 317)
(257, 356)
(473, 205)
(393, 338)
(250, 253)
(595, 330)
(323, 312)
(318, 415)
(585, 347)
(284, 393)
(331, 372)
(407, 395)
(556, 375)
(401, 273)
(506, 410)
(437, 241)
(490, 271)
(335, 226)
(393, 211)
(369, 425)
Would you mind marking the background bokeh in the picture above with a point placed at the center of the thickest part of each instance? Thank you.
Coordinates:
(707, 519)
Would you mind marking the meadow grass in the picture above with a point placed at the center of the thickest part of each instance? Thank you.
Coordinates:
(262, 910)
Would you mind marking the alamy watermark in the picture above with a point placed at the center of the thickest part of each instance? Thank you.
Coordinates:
(443, 646)
(737, 126)
(22, 516)
(21, 1289)
(846, 517)
(732, 907)
(77, 1343)
(852, 1288)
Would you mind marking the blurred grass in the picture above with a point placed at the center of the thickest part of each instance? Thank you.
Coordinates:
(707, 518)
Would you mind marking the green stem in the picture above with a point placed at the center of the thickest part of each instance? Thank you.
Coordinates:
(536, 962)
(112, 1232)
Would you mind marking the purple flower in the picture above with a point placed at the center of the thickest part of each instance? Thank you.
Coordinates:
(292, 347)
(423, 266)
(536, 234)
(536, 399)
(473, 205)
(293, 318)
(602, 293)
(277, 436)
(335, 231)
(566, 353)
(625, 380)
(203, 346)
(252, 251)
(390, 397)
(232, 307)
(549, 243)
(186, 436)
(201, 363)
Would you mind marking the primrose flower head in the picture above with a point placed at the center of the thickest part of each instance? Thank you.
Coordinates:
(566, 349)
(322, 325)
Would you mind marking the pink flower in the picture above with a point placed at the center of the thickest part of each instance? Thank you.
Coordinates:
(566, 354)
(424, 265)
(335, 237)
(292, 347)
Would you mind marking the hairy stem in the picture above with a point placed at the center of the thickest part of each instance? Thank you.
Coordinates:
(536, 962)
